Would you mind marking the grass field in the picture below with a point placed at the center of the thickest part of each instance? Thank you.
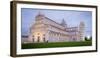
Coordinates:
(55, 44)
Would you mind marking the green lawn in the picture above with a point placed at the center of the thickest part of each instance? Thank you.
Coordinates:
(55, 44)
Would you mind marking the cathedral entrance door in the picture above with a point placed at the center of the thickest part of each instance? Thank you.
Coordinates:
(38, 39)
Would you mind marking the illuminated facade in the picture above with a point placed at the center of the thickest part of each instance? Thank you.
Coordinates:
(46, 30)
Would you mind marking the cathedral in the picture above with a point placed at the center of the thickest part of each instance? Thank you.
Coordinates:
(45, 29)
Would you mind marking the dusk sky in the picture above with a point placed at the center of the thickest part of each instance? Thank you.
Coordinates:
(72, 18)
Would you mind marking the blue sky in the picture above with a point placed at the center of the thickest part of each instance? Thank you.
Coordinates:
(72, 18)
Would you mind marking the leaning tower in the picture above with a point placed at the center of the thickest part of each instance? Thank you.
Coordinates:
(81, 31)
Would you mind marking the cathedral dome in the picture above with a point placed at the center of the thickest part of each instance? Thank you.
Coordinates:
(63, 23)
(40, 14)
